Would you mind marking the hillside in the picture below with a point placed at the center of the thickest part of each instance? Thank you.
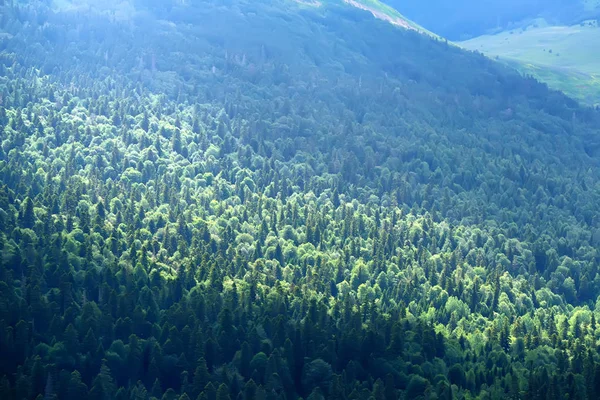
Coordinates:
(256, 199)
(562, 56)
(384, 12)
(124, 9)
(461, 20)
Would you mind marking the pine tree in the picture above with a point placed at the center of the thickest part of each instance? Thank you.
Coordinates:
(201, 377)
(5, 389)
(279, 255)
(27, 215)
(210, 391)
(77, 389)
(250, 390)
(223, 392)
(71, 340)
(379, 390)
(245, 358)
(156, 390)
(103, 386)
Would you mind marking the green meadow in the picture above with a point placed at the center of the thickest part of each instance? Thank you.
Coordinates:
(566, 58)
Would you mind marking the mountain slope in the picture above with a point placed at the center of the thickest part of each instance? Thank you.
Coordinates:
(387, 13)
(562, 56)
(262, 199)
(461, 20)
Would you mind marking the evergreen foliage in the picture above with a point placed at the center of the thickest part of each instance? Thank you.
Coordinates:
(263, 200)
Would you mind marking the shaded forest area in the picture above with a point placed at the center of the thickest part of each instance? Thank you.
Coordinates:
(259, 200)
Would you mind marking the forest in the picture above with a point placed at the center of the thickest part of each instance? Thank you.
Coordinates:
(248, 200)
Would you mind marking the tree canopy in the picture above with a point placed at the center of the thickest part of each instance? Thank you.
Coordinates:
(270, 200)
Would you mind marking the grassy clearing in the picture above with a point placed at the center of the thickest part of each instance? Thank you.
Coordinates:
(565, 57)
(581, 86)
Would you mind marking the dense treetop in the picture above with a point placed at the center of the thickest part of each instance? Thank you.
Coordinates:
(267, 199)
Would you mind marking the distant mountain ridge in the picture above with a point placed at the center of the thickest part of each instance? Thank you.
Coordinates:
(382, 11)
(378, 9)
(465, 19)
(124, 9)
